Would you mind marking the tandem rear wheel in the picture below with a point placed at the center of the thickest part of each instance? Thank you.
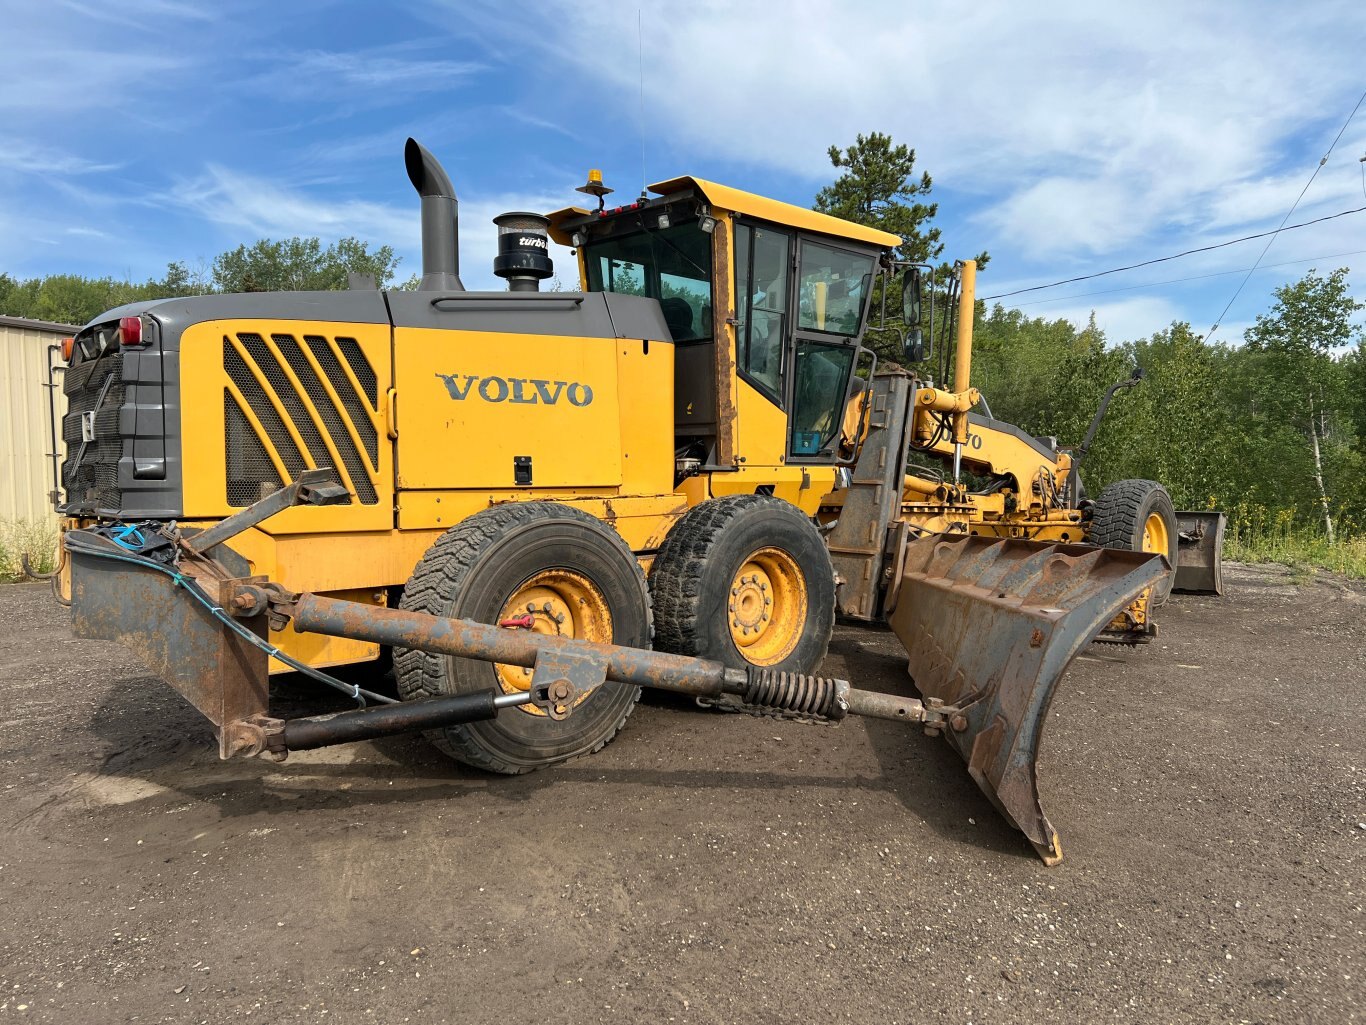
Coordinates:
(747, 581)
(540, 566)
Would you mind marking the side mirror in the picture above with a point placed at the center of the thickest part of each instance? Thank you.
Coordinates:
(910, 297)
(913, 346)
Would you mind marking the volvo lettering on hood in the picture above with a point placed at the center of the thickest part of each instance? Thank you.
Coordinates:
(524, 390)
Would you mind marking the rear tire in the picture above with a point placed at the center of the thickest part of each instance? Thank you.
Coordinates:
(485, 569)
(747, 581)
(1137, 516)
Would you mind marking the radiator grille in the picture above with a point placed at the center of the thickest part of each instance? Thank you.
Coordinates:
(90, 474)
(251, 474)
(264, 380)
(360, 366)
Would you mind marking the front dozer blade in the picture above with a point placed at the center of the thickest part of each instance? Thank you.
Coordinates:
(990, 625)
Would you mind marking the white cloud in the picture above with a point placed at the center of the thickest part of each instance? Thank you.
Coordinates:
(1060, 215)
(255, 208)
(1124, 319)
(1081, 126)
(22, 157)
(367, 76)
(234, 199)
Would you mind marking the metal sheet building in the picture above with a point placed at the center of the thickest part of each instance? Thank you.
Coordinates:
(25, 425)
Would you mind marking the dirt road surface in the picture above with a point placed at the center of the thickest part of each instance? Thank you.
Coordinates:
(1210, 791)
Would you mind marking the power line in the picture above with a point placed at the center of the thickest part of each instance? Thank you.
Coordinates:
(1174, 256)
(1177, 281)
(1317, 168)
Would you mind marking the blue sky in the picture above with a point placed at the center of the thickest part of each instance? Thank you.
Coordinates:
(1063, 137)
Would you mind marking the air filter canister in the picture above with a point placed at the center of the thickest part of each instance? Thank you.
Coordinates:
(523, 250)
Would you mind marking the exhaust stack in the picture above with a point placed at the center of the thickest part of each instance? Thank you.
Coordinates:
(440, 220)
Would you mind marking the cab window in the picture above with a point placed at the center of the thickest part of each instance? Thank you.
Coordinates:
(820, 378)
(672, 265)
(833, 289)
(762, 272)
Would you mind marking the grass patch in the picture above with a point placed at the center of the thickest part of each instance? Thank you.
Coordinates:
(20, 538)
(1258, 536)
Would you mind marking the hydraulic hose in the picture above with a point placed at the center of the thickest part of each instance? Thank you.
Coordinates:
(192, 587)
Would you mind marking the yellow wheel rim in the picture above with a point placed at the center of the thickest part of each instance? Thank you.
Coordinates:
(559, 602)
(1155, 537)
(766, 607)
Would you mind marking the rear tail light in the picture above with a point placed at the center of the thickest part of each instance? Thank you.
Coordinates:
(130, 330)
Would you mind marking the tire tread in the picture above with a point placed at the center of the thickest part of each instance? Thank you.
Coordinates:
(434, 585)
(1118, 515)
(683, 563)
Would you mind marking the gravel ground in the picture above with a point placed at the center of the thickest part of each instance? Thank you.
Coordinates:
(1210, 791)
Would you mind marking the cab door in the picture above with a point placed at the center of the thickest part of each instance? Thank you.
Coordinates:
(831, 300)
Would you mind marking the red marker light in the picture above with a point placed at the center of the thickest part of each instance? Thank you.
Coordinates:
(68, 346)
(130, 330)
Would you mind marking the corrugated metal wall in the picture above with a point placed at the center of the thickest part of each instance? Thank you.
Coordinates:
(25, 431)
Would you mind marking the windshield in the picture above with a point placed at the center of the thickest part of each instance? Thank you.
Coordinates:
(672, 265)
(834, 285)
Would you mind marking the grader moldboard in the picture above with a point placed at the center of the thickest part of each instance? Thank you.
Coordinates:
(479, 482)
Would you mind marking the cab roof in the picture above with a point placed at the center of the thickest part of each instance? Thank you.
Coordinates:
(723, 197)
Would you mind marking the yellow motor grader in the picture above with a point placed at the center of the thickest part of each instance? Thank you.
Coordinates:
(540, 502)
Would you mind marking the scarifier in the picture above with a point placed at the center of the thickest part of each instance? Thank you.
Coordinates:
(540, 502)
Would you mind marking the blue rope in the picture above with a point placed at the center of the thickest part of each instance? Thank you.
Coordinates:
(128, 537)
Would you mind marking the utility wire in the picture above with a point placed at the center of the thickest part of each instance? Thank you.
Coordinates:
(1178, 281)
(1174, 256)
(1317, 168)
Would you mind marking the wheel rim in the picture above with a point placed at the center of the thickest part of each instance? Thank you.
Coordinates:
(766, 607)
(561, 603)
(1155, 537)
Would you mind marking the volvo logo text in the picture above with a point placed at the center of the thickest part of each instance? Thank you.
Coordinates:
(521, 390)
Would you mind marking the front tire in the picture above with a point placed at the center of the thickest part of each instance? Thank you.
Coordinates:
(573, 576)
(1137, 516)
(747, 581)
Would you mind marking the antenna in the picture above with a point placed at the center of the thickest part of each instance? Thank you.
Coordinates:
(640, 59)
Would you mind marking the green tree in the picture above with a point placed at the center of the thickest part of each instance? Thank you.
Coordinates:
(1015, 363)
(300, 264)
(180, 281)
(878, 187)
(1302, 384)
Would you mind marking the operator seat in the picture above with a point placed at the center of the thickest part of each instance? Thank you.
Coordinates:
(678, 315)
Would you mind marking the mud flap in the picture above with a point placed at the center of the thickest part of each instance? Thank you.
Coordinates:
(1200, 552)
(990, 625)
